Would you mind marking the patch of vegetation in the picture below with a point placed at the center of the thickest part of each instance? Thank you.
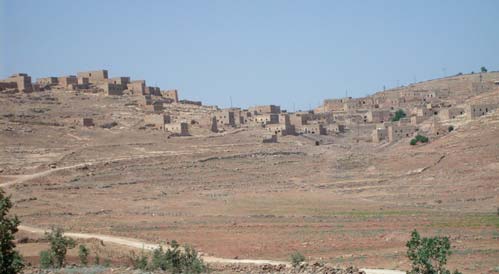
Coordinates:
(83, 254)
(46, 260)
(59, 245)
(140, 261)
(399, 114)
(174, 260)
(428, 255)
(297, 258)
(450, 128)
(483, 69)
(10, 260)
(419, 139)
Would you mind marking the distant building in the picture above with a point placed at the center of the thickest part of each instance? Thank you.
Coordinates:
(172, 94)
(265, 109)
(95, 76)
(112, 89)
(66, 81)
(181, 129)
(47, 81)
(137, 87)
(19, 81)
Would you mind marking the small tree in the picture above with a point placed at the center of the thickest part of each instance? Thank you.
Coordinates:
(450, 128)
(428, 255)
(59, 245)
(483, 69)
(10, 260)
(399, 114)
(297, 258)
(83, 254)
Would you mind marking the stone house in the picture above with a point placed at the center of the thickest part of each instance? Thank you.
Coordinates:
(379, 134)
(137, 87)
(47, 81)
(476, 110)
(450, 113)
(157, 120)
(95, 76)
(397, 132)
(112, 89)
(181, 128)
(378, 116)
(19, 81)
(67, 81)
(265, 109)
(171, 94)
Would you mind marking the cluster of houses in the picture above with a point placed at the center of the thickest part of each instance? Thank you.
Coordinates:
(370, 117)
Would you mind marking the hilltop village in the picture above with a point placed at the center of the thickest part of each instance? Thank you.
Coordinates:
(346, 182)
(431, 108)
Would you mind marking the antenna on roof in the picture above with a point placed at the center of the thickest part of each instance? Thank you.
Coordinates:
(230, 98)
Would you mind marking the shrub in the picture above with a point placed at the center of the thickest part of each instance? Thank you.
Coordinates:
(46, 260)
(483, 69)
(83, 254)
(297, 258)
(175, 260)
(97, 259)
(419, 138)
(10, 260)
(428, 255)
(139, 262)
(59, 245)
(399, 114)
(450, 128)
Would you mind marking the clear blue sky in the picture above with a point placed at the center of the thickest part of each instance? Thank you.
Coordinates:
(257, 52)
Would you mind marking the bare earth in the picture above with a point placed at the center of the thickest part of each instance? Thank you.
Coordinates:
(231, 196)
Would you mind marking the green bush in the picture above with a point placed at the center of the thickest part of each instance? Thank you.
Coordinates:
(399, 114)
(83, 255)
(175, 260)
(139, 262)
(59, 245)
(428, 255)
(46, 260)
(297, 258)
(10, 259)
(419, 138)
(450, 128)
(97, 259)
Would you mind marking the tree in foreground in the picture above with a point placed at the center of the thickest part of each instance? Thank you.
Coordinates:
(428, 255)
(10, 260)
(59, 245)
